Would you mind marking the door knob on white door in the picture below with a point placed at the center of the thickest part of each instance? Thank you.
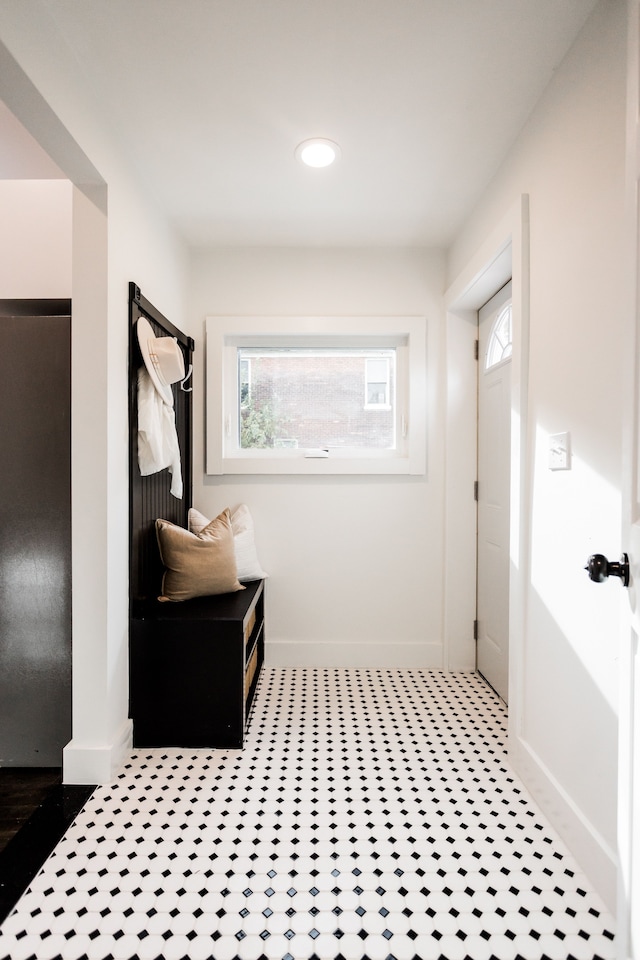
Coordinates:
(599, 568)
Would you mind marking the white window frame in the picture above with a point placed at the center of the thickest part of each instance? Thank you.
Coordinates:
(225, 334)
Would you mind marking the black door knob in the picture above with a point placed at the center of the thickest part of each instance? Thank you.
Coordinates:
(599, 568)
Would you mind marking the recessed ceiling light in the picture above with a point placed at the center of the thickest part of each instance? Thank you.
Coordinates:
(317, 152)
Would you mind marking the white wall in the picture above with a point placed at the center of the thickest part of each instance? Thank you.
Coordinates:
(117, 236)
(355, 563)
(569, 160)
(35, 239)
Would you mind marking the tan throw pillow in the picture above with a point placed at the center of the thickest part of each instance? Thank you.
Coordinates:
(197, 566)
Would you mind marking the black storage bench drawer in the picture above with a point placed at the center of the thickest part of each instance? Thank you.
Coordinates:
(194, 667)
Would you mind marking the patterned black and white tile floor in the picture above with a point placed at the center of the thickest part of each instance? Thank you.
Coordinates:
(372, 814)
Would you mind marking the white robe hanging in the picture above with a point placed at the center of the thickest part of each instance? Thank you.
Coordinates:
(157, 436)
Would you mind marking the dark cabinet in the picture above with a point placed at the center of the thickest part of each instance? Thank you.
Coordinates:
(194, 668)
(35, 532)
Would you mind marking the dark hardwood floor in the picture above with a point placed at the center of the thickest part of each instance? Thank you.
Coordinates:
(36, 809)
(22, 790)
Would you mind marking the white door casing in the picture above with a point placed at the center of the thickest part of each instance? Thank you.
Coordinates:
(494, 479)
(504, 253)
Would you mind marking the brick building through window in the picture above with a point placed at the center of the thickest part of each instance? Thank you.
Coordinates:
(317, 398)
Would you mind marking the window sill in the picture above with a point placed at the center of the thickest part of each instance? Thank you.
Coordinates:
(317, 466)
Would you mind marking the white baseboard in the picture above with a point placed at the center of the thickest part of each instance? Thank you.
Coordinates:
(290, 653)
(93, 764)
(588, 847)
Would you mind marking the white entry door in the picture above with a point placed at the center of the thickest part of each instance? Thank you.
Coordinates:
(628, 936)
(494, 471)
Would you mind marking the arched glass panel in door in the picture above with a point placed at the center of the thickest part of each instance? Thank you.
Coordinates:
(499, 345)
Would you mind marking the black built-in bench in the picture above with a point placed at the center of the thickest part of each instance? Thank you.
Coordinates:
(193, 666)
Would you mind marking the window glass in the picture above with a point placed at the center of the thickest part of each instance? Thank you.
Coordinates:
(499, 346)
(314, 398)
(377, 387)
(244, 381)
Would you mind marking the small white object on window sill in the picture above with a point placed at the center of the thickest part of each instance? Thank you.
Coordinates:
(316, 454)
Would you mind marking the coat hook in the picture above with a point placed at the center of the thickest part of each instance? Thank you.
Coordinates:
(182, 383)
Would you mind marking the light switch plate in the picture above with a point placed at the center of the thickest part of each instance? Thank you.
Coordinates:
(559, 451)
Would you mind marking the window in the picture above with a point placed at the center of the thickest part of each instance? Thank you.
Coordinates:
(312, 397)
(378, 381)
(499, 345)
(244, 381)
(315, 395)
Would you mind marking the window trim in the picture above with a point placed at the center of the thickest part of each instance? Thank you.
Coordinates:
(223, 336)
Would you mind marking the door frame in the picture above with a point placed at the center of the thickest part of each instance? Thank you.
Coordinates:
(100, 737)
(503, 255)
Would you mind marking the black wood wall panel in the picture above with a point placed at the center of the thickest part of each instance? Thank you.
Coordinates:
(150, 496)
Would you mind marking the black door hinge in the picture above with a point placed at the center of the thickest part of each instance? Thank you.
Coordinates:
(475, 489)
(476, 349)
(475, 629)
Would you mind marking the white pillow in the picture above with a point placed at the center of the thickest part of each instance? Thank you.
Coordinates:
(197, 522)
(243, 541)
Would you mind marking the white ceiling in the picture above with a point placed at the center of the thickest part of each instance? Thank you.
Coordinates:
(211, 97)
